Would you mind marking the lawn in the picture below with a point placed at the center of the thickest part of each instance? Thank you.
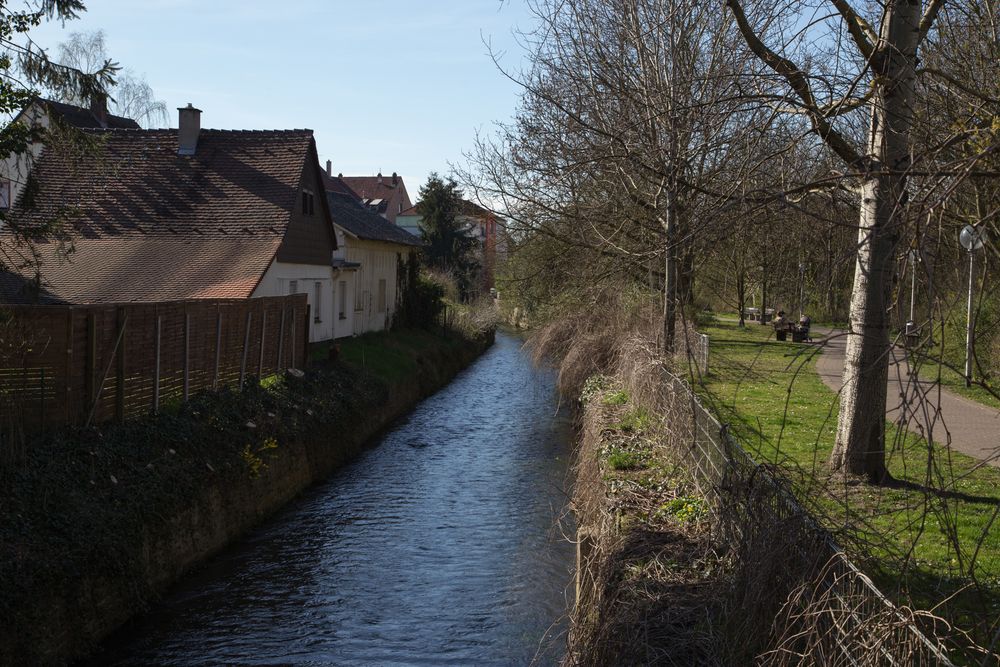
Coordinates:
(389, 355)
(933, 535)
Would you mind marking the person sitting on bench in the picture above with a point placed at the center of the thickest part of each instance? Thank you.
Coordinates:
(780, 324)
(804, 323)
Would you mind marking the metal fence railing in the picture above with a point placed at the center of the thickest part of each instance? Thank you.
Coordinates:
(695, 351)
(848, 620)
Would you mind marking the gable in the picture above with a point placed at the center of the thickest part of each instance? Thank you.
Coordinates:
(310, 238)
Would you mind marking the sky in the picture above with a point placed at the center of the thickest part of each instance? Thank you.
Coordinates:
(390, 85)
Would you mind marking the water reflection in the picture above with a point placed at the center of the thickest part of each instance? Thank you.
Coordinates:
(440, 546)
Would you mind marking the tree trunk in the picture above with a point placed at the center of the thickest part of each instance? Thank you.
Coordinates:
(741, 295)
(670, 274)
(860, 444)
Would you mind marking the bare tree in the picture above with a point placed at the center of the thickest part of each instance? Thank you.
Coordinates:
(131, 96)
(880, 75)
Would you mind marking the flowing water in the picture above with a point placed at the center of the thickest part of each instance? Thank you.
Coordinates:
(442, 545)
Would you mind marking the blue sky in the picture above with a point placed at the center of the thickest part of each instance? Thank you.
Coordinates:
(390, 85)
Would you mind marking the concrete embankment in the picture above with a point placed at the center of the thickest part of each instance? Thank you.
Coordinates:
(98, 523)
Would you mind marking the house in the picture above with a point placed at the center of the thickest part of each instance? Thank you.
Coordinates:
(385, 195)
(42, 113)
(366, 262)
(154, 215)
(480, 223)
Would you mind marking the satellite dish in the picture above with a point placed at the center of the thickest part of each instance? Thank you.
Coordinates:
(971, 238)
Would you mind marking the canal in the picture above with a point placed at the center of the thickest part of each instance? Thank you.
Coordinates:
(446, 543)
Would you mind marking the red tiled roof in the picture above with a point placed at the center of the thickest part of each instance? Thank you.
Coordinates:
(148, 224)
(136, 268)
(394, 197)
(337, 185)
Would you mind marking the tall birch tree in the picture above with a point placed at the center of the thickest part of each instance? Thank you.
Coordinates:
(886, 49)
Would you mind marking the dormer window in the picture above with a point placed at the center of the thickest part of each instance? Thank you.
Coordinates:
(308, 202)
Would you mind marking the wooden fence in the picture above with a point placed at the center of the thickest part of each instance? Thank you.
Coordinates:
(81, 365)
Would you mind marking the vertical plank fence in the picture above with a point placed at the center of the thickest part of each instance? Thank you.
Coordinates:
(74, 365)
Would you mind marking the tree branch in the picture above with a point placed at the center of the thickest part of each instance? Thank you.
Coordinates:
(862, 34)
(796, 78)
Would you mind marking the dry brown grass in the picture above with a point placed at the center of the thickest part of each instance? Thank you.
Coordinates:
(616, 334)
(651, 582)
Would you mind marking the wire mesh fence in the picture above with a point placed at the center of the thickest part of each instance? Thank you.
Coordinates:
(832, 613)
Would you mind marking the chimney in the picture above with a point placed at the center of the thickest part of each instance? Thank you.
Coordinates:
(329, 168)
(395, 179)
(99, 108)
(380, 178)
(188, 127)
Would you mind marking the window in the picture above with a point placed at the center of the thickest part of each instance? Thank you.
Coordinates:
(381, 295)
(308, 202)
(342, 314)
(4, 195)
(293, 286)
(318, 304)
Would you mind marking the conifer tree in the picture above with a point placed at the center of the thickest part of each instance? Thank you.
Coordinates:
(450, 248)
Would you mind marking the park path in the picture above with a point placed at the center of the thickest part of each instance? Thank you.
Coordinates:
(963, 424)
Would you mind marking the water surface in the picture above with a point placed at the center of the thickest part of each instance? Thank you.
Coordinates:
(440, 546)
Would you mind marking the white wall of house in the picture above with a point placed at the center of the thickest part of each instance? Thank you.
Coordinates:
(14, 169)
(316, 282)
(375, 285)
(344, 281)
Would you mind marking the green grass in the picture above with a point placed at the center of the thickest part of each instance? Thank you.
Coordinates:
(623, 459)
(389, 355)
(932, 536)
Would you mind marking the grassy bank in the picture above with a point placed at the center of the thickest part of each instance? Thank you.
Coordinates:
(97, 522)
(650, 585)
(933, 539)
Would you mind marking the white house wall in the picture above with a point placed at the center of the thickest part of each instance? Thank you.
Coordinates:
(378, 262)
(277, 281)
(344, 326)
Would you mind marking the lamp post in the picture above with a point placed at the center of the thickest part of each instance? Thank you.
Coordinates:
(802, 287)
(911, 325)
(972, 239)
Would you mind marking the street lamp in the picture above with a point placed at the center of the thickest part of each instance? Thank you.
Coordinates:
(911, 325)
(972, 239)
(802, 287)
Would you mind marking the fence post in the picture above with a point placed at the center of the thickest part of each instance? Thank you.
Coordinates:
(246, 344)
(41, 399)
(156, 368)
(305, 338)
(281, 337)
(218, 346)
(294, 360)
(68, 370)
(187, 354)
(263, 332)
(90, 361)
(120, 369)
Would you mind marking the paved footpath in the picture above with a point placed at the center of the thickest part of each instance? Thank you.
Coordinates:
(970, 427)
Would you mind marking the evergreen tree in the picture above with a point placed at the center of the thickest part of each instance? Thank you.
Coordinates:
(25, 69)
(450, 247)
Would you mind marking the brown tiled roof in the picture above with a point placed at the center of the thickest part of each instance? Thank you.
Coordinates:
(135, 268)
(364, 224)
(337, 185)
(85, 118)
(370, 188)
(148, 224)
